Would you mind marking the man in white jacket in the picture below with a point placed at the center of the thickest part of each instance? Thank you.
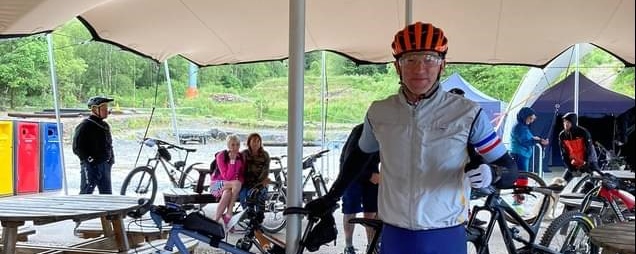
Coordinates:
(422, 134)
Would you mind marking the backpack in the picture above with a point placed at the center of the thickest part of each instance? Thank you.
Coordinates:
(322, 233)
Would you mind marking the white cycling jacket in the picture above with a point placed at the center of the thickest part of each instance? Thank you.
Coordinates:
(423, 150)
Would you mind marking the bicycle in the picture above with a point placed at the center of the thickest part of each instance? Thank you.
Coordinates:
(530, 205)
(142, 180)
(498, 207)
(208, 231)
(316, 178)
(373, 247)
(275, 204)
(598, 206)
(478, 236)
(608, 160)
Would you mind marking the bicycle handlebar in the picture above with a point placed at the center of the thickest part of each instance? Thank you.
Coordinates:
(153, 141)
(545, 190)
(314, 155)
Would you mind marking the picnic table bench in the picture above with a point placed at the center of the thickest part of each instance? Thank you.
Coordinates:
(23, 233)
(46, 208)
(138, 231)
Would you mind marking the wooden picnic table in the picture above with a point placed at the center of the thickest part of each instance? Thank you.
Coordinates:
(615, 237)
(622, 174)
(45, 208)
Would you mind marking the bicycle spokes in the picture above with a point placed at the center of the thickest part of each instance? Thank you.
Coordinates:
(141, 186)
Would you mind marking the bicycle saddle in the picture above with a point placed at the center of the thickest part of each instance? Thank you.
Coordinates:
(204, 225)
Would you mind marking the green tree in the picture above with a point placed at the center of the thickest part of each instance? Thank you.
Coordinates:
(23, 66)
(497, 81)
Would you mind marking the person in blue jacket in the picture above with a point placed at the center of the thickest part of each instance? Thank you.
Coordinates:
(522, 144)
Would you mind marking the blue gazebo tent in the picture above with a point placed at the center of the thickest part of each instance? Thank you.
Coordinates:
(599, 111)
(490, 105)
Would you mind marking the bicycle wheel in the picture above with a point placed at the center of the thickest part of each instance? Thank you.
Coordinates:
(474, 236)
(190, 177)
(569, 233)
(274, 220)
(140, 182)
(527, 206)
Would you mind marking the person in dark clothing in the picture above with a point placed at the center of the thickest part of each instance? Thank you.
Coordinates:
(577, 149)
(361, 195)
(256, 170)
(93, 145)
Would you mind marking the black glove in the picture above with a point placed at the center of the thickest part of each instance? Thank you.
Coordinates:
(321, 206)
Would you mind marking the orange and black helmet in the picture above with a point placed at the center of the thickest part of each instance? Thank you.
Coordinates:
(419, 37)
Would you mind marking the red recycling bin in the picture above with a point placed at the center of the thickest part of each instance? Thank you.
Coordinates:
(27, 157)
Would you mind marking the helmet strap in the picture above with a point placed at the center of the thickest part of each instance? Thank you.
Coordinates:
(96, 111)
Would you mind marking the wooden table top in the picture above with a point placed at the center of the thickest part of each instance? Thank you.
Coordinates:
(41, 208)
(616, 237)
(622, 174)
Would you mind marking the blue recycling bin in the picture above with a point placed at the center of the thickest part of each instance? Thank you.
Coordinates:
(51, 174)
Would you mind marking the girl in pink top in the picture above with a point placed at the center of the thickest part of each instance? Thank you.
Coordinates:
(231, 169)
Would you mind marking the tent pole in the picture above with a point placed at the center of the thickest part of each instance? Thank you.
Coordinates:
(171, 98)
(60, 143)
(323, 108)
(295, 120)
(408, 12)
(576, 80)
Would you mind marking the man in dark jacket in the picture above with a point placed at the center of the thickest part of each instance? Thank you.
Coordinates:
(93, 144)
(361, 195)
(577, 149)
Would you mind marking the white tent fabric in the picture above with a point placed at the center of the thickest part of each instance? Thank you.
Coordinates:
(221, 32)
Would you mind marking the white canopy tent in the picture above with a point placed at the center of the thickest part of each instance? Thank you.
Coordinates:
(221, 32)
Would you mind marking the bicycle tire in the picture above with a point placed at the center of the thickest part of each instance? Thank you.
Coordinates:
(529, 209)
(471, 248)
(561, 224)
(274, 220)
(189, 178)
(146, 178)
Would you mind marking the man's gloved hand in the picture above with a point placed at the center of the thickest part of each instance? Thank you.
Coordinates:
(321, 206)
(481, 177)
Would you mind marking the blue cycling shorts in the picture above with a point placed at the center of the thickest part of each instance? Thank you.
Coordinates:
(434, 241)
(360, 197)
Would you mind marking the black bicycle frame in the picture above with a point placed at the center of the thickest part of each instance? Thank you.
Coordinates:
(496, 206)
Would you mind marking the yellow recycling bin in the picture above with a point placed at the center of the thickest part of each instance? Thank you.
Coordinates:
(6, 158)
